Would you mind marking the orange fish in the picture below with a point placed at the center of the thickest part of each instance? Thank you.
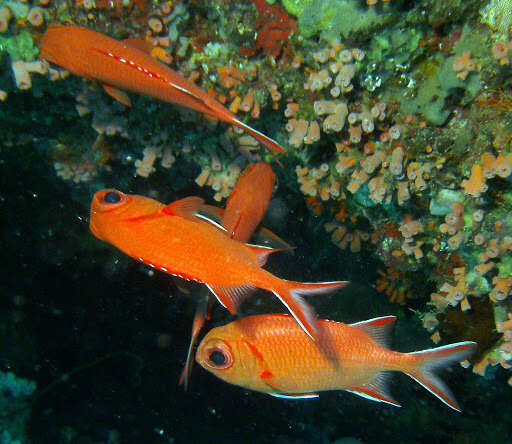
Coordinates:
(270, 354)
(124, 66)
(172, 239)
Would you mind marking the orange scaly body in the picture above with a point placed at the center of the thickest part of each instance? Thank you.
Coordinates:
(121, 65)
(269, 353)
(172, 239)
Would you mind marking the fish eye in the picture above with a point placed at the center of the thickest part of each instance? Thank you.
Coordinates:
(219, 357)
(112, 197)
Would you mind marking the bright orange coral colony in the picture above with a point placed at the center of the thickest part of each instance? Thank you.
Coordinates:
(274, 27)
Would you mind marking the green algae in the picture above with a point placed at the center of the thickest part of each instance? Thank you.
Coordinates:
(20, 46)
(295, 7)
(333, 18)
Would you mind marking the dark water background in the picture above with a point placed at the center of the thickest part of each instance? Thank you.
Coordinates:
(83, 320)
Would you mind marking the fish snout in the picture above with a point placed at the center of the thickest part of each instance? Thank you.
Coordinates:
(103, 202)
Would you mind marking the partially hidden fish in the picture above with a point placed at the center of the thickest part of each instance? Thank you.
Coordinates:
(247, 203)
(271, 354)
(172, 239)
(122, 65)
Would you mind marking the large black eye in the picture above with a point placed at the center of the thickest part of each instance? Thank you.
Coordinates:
(112, 197)
(217, 355)
(217, 358)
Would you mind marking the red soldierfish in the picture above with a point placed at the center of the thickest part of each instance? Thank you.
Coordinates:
(172, 239)
(247, 204)
(122, 66)
(271, 354)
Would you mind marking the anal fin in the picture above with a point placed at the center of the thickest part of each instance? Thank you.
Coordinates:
(295, 395)
(231, 297)
(376, 390)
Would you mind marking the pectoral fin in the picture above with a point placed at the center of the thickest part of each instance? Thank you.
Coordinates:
(202, 314)
(117, 94)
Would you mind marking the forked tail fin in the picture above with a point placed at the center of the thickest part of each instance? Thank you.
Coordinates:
(290, 293)
(426, 361)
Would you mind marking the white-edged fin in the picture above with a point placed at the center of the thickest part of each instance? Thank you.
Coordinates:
(373, 395)
(266, 141)
(231, 297)
(212, 215)
(378, 328)
(303, 313)
(426, 361)
(211, 222)
(377, 390)
(262, 253)
(295, 395)
(198, 323)
(290, 294)
(264, 236)
(186, 208)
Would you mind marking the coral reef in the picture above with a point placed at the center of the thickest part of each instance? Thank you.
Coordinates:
(396, 119)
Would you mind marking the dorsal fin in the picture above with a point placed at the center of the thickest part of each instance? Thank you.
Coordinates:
(142, 45)
(378, 328)
(186, 208)
(262, 253)
(266, 236)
